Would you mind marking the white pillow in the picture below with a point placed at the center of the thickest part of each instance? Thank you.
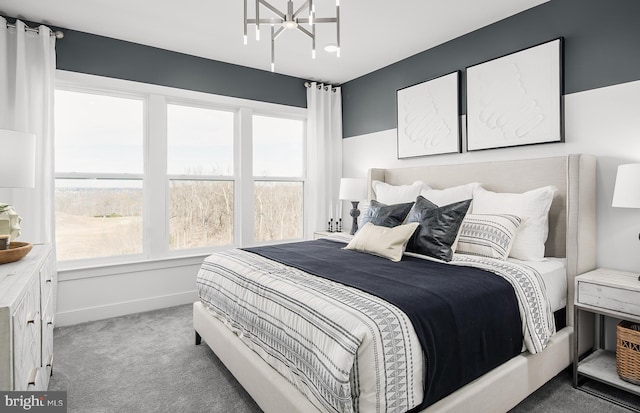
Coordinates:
(442, 197)
(488, 235)
(397, 194)
(532, 206)
(384, 242)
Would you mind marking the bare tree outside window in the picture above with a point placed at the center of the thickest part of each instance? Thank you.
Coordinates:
(278, 210)
(200, 214)
(200, 144)
(278, 169)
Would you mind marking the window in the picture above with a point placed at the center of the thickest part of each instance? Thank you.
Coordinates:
(278, 149)
(99, 162)
(199, 158)
(146, 172)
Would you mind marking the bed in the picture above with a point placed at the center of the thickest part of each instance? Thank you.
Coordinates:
(571, 235)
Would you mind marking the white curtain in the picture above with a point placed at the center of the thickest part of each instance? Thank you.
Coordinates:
(324, 148)
(27, 76)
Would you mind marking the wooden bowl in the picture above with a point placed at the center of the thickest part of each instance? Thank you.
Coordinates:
(16, 251)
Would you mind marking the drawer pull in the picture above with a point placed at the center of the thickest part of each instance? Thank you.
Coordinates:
(48, 281)
(31, 319)
(51, 321)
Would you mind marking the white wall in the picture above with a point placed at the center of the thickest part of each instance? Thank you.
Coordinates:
(604, 122)
(111, 291)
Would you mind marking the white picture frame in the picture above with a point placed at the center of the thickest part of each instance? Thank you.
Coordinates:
(428, 117)
(516, 99)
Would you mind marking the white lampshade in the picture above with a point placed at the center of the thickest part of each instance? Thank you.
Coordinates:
(353, 189)
(17, 159)
(627, 190)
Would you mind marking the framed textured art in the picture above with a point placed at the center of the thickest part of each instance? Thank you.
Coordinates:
(429, 117)
(516, 99)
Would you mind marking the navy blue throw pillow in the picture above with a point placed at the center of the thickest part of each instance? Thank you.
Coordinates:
(384, 215)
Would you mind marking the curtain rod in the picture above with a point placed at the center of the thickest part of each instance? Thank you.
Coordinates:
(58, 34)
(320, 85)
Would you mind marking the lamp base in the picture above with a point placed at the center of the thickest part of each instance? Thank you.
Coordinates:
(355, 213)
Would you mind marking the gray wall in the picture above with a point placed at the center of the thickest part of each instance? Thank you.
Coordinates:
(104, 56)
(600, 49)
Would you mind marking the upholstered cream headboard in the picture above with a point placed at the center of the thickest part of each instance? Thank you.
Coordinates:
(572, 219)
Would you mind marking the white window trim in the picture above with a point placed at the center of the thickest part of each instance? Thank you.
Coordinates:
(155, 189)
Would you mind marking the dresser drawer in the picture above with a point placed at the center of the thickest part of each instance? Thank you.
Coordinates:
(48, 308)
(608, 298)
(47, 348)
(27, 303)
(42, 379)
(27, 338)
(48, 283)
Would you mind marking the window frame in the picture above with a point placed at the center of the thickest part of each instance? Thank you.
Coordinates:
(94, 90)
(207, 178)
(302, 179)
(156, 179)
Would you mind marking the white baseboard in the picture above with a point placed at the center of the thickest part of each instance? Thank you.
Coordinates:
(82, 315)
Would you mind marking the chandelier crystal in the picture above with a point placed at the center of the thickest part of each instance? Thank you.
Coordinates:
(280, 21)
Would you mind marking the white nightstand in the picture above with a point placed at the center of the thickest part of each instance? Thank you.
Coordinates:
(605, 293)
(322, 234)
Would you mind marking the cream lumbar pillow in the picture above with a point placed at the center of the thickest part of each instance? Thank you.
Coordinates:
(384, 242)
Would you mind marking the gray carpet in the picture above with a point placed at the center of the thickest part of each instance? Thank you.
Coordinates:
(148, 362)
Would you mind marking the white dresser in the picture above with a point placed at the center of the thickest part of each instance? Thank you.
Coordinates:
(27, 317)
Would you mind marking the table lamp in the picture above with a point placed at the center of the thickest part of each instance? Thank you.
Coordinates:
(17, 170)
(354, 190)
(626, 193)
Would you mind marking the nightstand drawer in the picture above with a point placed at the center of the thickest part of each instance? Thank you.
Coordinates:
(612, 293)
(345, 236)
(609, 298)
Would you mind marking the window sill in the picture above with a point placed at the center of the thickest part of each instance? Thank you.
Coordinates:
(79, 272)
(92, 268)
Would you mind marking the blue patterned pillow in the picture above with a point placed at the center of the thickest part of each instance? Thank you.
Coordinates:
(488, 235)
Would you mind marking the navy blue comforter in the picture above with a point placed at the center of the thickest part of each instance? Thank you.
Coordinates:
(467, 319)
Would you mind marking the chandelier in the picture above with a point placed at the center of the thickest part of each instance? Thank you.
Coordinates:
(280, 22)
